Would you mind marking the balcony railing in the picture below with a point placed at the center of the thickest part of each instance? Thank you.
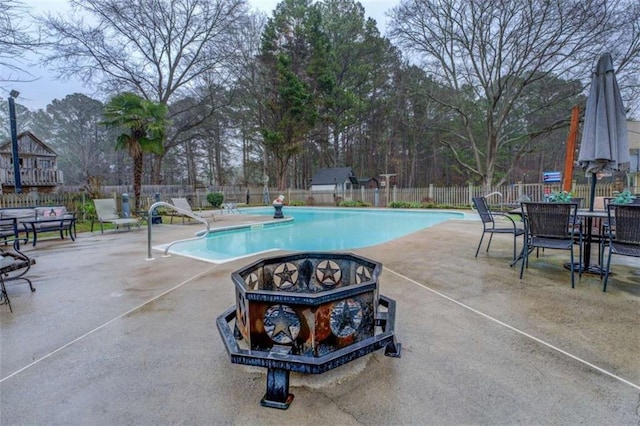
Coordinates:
(32, 177)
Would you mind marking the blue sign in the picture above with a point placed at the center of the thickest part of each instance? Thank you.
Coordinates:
(551, 177)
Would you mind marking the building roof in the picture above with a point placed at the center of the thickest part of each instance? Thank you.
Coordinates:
(332, 176)
(44, 149)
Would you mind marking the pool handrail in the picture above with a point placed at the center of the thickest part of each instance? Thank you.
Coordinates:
(179, 210)
(499, 194)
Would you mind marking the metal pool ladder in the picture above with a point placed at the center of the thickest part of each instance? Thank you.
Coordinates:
(181, 211)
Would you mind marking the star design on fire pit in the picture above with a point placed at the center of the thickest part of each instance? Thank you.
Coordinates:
(362, 274)
(281, 324)
(346, 317)
(285, 275)
(242, 312)
(251, 281)
(328, 272)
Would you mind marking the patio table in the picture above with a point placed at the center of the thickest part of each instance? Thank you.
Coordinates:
(585, 263)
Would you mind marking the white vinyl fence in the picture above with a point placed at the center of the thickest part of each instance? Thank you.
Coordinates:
(449, 197)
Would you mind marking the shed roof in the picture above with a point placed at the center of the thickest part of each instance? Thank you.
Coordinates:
(331, 176)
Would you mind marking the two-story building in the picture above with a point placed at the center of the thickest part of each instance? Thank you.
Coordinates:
(38, 165)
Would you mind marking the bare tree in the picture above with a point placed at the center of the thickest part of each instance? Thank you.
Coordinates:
(16, 39)
(72, 127)
(249, 106)
(495, 55)
(163, 50)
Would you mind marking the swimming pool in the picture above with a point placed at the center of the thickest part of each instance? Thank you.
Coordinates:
(312, 229)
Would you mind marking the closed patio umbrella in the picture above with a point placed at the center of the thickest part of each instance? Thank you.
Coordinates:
(604, 145)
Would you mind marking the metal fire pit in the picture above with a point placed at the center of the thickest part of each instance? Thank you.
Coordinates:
(308, 313)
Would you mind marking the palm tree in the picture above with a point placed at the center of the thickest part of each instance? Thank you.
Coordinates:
(145, 123)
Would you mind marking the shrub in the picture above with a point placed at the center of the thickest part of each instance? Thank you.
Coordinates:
(424, 204)
(354, 204)
(624, 197)
(215, 199)
(401, 205)
(560, 197)
(296, 203)
(428, 205)
(86, 211)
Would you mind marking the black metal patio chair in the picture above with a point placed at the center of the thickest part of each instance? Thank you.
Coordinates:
(13, 263)
(504, 225)
(551, 226)
(624, 236)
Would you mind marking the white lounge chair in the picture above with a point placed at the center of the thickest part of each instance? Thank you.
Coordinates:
(107, 212)
(184, 205)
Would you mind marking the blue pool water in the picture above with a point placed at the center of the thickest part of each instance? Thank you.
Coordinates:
(312, 229)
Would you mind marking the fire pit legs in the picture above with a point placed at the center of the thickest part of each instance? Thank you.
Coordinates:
(277, 395)
(393, 349)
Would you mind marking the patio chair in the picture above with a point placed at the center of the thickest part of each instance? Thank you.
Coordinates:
(184, 205)
(9, 230)
(107, 212)
(624, 237)
(505, 224)
(13, 263)
(551, 226)
(578, 202)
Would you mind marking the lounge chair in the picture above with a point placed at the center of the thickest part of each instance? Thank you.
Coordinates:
(184, 205)
(107, 212)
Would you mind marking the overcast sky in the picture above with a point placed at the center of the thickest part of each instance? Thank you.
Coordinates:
(39, 93)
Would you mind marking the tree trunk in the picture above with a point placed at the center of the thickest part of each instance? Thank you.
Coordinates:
(137, 179)
(156, 169)
(336, 147)
(191, 164)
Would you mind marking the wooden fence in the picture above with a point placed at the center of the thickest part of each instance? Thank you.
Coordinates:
(451, 197)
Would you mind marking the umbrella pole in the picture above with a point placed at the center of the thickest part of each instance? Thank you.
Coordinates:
(592, 193)
(585, 263)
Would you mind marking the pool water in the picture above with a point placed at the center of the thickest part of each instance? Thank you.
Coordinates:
(312, 229)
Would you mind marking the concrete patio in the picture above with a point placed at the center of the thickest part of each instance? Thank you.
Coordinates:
(111, 338)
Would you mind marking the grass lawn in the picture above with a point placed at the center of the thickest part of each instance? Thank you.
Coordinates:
(85, 226)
